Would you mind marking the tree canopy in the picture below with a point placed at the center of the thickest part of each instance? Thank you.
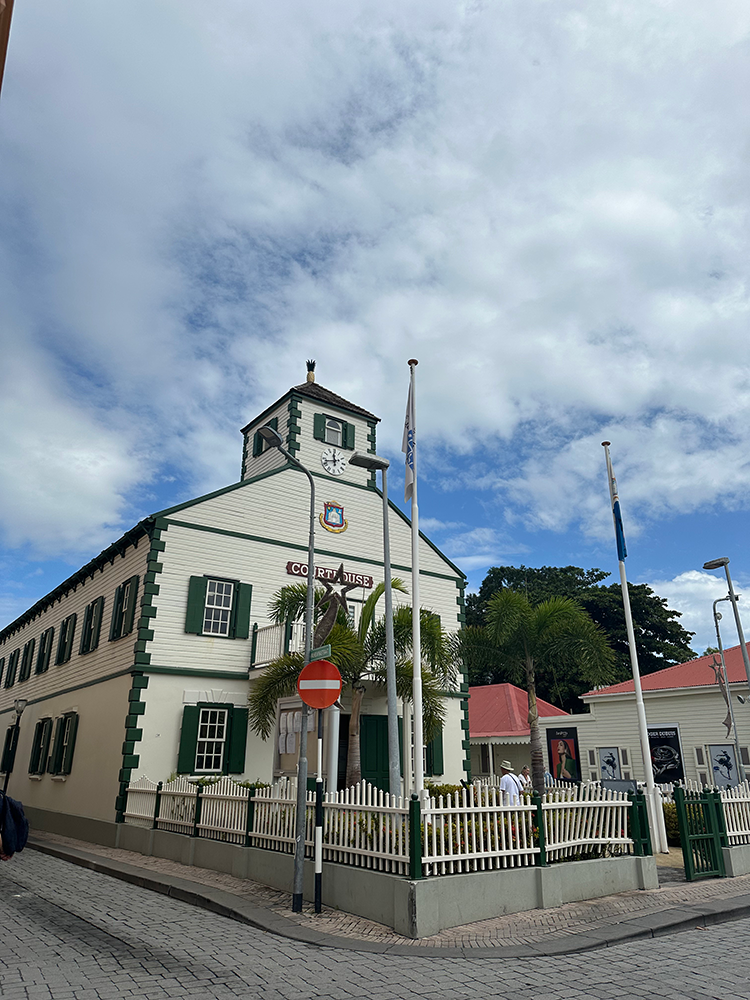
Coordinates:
(660, 639)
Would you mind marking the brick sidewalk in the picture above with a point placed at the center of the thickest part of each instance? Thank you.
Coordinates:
(571, 927)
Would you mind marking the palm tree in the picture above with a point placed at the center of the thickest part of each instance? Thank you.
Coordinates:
(552, 636)
(360, 656)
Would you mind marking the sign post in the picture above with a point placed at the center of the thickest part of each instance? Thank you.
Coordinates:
(319, 686)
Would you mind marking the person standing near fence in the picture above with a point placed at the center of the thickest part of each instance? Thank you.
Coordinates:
(509, 783)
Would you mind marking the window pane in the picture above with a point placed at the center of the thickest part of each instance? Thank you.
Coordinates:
(212, 727)
(333, 432)
(218, 607)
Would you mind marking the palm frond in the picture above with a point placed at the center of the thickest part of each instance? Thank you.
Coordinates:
(289, 603)
(368, 608)
(278, 680)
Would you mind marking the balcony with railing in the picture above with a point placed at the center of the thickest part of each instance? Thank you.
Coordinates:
(269, 642)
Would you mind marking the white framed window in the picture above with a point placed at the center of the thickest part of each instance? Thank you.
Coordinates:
(212, 739)
(218, 610)
(334, 431)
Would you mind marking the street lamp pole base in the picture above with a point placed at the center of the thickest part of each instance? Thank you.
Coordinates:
(297, 902)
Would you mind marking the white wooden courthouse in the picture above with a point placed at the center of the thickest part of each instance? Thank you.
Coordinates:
(140, 664)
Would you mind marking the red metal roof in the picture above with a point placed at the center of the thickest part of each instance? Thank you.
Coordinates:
(694, 673)
(502, 710)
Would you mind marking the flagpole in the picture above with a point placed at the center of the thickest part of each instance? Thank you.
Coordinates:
(416, 640)
(653, 796)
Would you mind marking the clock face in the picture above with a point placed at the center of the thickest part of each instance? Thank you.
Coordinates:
(333, 461)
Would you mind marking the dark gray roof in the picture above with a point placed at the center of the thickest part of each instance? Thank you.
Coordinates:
(321, 395)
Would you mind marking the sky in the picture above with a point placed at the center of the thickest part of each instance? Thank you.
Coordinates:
(546, 203)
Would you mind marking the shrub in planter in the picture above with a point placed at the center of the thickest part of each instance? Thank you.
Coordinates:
(670, 821)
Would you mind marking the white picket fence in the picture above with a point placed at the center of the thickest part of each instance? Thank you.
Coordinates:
(736, 802)
(475, 829)
(585, 820)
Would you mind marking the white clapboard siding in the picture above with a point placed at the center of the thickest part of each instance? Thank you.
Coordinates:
(585, 820)
(477, 829)
(141, 803)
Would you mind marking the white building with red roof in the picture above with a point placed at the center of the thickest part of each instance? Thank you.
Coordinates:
(499, 727)
(688, 719)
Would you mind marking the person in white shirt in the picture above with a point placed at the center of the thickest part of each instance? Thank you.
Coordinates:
(509, 783)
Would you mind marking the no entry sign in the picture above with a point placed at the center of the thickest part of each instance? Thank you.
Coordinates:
(319, 684)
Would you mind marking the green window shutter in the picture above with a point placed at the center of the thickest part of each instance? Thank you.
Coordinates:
(60, 655)
(237, 742)
(129, 610)
(257, 444)
(319, 427)
(55, 758)
(2, 667)
(435, 755)
(10, 677)
(45, 648)
(67, 760)
(242, 611)
(26, 660)
(83, 646)
(9, 749)
(36, 748)
(114, 624)
(196, 606)
(273, 422)
(188, 740)
(348, 436)
(97, 613)
(70, 636)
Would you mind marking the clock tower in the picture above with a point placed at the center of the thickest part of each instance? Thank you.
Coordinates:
(319, 428)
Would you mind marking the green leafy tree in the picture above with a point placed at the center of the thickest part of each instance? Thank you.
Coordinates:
(660, 639)
(360, 656)
(550, 638)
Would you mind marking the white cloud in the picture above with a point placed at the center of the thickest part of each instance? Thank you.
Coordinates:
(693, 593)
(546, 204)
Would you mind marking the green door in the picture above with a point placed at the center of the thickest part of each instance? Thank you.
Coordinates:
(373, 736)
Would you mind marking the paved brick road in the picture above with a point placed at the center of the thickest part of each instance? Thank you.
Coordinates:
(72, 933)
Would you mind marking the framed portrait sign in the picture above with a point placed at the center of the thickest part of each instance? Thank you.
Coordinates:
(609, 763)
(563, 753)
(666, 754)
(723, 763)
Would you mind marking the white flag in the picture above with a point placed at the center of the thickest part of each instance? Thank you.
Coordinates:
(407, 445)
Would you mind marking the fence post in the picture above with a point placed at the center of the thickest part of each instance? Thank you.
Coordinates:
(250, 815)
(542, 856)
(157, 806)
(640, 833)
(198, 800)
(415, 838)
(721, 831)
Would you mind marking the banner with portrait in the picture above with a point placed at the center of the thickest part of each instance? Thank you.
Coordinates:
(666, 754)
(723, 764)
(564, 756)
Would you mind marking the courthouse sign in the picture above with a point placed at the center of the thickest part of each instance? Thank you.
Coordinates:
(322, 573)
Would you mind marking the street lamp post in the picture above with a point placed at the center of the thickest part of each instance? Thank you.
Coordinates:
(18, 705)
(715, 564)
(394, 763)
(275, 440)
(725, 679)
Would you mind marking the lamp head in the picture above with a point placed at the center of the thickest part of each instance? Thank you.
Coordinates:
(716, 563)
(19, 705)
(271, 435)
(365, 461)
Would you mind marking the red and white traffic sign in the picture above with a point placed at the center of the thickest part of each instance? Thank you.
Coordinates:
(319, 684)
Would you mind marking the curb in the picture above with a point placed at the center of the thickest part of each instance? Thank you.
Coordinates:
(604, 935)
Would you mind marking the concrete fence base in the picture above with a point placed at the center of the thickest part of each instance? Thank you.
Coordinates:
(413, 908)
(737, 860)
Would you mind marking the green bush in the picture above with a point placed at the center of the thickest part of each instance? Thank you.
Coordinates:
(434, 790)
(670, 821)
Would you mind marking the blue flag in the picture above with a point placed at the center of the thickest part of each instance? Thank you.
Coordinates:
(622, 550)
